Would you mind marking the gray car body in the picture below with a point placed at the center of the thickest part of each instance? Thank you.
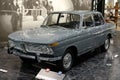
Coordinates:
(82, 39)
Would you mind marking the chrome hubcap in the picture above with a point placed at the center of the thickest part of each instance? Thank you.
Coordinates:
(67, 60)
(107, 44)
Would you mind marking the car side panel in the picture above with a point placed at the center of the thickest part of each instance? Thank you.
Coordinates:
(97, 35)
(105, 30)
(82, 42)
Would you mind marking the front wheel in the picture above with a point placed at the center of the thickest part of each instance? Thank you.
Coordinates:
(106, 45)
(67, 61)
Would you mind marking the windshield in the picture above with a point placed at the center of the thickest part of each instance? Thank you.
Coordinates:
(62, 20)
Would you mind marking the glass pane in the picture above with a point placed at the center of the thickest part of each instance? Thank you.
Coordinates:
(88, 21)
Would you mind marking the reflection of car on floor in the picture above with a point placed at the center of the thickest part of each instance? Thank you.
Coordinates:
(62, 37)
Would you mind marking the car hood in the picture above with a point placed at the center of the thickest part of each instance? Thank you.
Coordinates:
(43, 35)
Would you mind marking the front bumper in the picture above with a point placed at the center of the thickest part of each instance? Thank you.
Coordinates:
(34, 56)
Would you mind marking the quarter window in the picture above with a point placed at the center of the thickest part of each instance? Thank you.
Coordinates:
(88, 21)
(98, 19)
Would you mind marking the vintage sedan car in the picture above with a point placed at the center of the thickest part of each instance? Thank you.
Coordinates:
(62, 37)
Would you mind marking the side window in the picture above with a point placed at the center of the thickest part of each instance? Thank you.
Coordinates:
(98, 19)
(101, 19)
(88, 21)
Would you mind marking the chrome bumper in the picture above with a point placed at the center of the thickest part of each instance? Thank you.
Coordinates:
(35, 57)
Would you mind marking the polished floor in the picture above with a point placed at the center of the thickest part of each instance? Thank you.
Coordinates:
(95, 65)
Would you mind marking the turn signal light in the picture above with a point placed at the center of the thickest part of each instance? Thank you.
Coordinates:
(54, 44)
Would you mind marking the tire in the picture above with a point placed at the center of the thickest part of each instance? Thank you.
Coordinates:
(67, 60)
(106, 45)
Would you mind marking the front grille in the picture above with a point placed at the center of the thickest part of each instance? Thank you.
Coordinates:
(26, 53)
(20, 46)
(45, 55)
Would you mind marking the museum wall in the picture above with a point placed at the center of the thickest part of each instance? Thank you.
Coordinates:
(24, 14)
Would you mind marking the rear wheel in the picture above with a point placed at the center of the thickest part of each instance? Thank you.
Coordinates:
(106, 45)
(67, 60)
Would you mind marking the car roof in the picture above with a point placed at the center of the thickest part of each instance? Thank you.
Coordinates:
(80, 12)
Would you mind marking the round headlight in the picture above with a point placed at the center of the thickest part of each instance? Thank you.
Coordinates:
(46, 50)
(40, 49)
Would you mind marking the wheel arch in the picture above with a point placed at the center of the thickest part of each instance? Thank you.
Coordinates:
(74, 49)
(109, 35)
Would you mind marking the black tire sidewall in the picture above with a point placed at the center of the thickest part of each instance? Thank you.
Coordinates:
(61, 61)
(103, 46)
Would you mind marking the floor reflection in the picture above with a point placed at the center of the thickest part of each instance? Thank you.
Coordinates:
(27, 72)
